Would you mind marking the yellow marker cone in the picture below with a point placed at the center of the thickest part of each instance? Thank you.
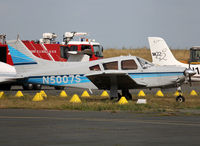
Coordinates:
(159, 93)
(75, 99)
(193, 93)
(19, 94)
(37, 97)
(43, 94)
(104, 94)
(63, 93)
(122, 100)
(141, 93)
(85, 94)
(1, 94)
(177, 93)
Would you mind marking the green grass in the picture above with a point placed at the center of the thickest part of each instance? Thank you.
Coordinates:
(165, 104)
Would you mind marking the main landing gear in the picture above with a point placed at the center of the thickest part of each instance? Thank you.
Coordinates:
(116, 95)
(127, 94)
(180, 98)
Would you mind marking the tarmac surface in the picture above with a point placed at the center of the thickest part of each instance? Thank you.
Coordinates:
(60, 128)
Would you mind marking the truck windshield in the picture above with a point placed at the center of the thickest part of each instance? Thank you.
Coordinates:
(195, 56)
(98, 50)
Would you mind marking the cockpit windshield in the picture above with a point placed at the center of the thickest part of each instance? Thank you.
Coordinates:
(98, 50)
(144, 63)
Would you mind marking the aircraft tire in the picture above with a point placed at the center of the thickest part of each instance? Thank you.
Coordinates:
(180, 99)
(37, 87)
(127, 94)
(28, 87)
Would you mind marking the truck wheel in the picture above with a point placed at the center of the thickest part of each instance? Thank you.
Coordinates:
(37, 87)
(28, 87)
(59, 87)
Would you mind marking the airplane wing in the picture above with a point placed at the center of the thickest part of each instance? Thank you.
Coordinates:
(9, 79)
(102, 80)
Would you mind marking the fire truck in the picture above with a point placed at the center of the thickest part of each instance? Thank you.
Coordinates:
(50, 49)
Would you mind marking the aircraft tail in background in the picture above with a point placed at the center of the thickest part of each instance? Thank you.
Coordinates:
(160, 52)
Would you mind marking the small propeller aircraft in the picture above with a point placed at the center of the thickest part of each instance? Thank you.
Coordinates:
(7, 74)
(117, 73)
(161, 55)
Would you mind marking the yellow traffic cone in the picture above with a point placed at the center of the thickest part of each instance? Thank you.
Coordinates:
(63, 93)
(193, 93)
(141, 93)
(177, 93)
(159, 93)
(75, 99)
(122, 100)
(104, 94)
(43, 94)
(37, 97)
(1, 94)
(85, 94)
(19, 94)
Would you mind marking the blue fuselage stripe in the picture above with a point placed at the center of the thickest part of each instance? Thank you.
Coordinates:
(149, 75)
(80, 78)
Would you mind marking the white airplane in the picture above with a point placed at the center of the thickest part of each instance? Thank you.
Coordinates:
(161, 55)
(117, 73)
(7, 75)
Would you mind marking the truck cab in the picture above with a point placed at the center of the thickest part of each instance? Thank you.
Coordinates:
(78, 42)
(195, 55)
(95, 49)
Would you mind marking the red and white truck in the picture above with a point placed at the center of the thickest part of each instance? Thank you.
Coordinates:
(48, 48)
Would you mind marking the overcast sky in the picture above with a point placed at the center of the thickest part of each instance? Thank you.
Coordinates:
(114, 23)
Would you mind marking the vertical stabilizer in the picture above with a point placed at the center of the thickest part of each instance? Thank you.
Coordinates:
(160, 52)
(22, 57)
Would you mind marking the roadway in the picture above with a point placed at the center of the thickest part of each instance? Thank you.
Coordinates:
(61, 128)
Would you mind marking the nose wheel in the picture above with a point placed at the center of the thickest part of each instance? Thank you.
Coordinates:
(180, 98)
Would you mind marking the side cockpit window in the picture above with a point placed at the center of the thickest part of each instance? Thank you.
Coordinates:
(111, 65)
(128, 65)
(95, 68)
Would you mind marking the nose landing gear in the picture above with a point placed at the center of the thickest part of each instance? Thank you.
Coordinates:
(180, 98)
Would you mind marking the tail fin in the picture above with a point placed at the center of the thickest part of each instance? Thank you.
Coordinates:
(19, 58)
(22, 57)
(160, 52)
